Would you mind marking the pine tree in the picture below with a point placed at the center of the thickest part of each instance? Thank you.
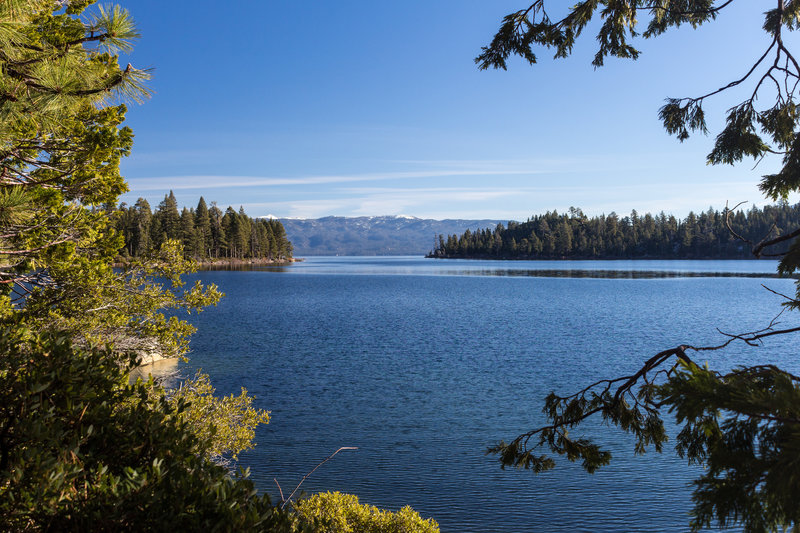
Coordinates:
(203, 228)
(217, 230)
(142, 217)
(81, 448)
(742, 425)
(170, 217)
(187, 233)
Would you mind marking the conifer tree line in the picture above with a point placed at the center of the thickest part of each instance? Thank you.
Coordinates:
(574, 235)
(207, 233)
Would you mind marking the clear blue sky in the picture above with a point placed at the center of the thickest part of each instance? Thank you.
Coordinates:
(351, 108)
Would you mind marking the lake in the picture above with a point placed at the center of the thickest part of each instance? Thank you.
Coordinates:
(422, 364)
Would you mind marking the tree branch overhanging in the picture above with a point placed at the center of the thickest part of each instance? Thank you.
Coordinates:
(630, 402)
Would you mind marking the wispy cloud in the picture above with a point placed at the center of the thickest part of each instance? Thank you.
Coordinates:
(381, 202)
(512, 202)
(505, 198)
(215, 182)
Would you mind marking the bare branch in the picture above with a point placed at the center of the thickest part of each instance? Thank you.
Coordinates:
(645, 376)
(287, 500)
(728, 222)
(764, 243)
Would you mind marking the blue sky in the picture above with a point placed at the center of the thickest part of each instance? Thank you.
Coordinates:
(351, 108)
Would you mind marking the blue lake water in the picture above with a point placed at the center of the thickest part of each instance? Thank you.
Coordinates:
(423, 364)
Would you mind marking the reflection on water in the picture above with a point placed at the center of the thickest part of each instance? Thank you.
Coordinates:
(618, 269)
(283, 267)
(423, 364)
(165, 371)
(610, 274)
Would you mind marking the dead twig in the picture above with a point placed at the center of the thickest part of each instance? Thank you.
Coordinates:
(287, 500)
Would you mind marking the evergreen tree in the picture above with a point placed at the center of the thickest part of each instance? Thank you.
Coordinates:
(203, 234)
(243, 232)
(170, 217)
(203, 228)
(742, 425)
(608, 237)
(220, 244)
(187, 233)
(230, 228)
(63, 142)
(80, 448)
(142, 217)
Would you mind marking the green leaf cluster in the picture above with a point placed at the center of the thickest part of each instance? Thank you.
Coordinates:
(81, 449)
(226, 424)
(744, 427)
(334, 512)
(61, 142)
(750, 131)
(533, 26)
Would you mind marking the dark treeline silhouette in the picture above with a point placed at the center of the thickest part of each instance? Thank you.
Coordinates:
(576, 236)
(207, 233)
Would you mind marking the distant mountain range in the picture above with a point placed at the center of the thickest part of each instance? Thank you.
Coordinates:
(386, 235)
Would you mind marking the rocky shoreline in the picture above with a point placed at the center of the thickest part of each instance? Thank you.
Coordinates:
(234, 262)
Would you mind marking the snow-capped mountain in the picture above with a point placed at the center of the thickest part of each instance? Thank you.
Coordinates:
(384, 235)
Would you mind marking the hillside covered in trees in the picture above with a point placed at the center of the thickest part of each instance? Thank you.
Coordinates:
(207, 233)
(574, 235)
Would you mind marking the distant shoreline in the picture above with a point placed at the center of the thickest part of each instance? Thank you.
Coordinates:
(262, 261)
(595, 258)
(225, 264)
(233, 262)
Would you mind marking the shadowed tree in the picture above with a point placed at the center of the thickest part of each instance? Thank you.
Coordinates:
(743, 425)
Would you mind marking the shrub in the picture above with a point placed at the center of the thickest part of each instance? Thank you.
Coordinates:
(341, 513)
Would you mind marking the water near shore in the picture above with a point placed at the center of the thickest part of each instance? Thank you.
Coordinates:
(422, 364)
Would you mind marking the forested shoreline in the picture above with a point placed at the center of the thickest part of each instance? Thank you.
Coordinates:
(208, 234)
(573, 235)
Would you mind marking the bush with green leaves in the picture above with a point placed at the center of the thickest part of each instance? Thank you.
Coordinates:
(81, 449)
(335, 512)
(226, 423)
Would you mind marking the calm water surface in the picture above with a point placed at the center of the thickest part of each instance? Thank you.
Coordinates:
(422, 364)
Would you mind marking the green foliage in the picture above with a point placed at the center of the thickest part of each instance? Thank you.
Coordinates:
(742, 426)
(206, 234)
(341, 513)
(227, 424)
(527, 28)
(125, 306)
(61, 142)
(56, 66)
(749, 131)
(574, 235)
(82, 450)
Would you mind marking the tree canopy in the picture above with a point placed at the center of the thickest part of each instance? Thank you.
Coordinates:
(81, 448)
(61, 142)
(742, 425)
(206, 233)
(708, 235)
